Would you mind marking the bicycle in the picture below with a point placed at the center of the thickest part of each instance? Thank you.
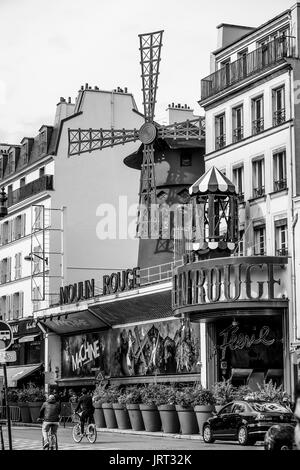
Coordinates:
(90, 431)
(52, 438)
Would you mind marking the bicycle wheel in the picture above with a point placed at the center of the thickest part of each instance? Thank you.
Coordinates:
(91, 433)
(76, 433)
(53, 442)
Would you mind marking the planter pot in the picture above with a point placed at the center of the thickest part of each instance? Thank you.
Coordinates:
(122, 416)
(203, 412)
(187, 419)
(109, 415)
(25, 412)
(169, 418)
(99, 416)
(135, 416)
(34, 408)
(151, 418)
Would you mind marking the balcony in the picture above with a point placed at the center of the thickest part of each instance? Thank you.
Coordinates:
(44, 183)
(279, 117)
(280, 185)
(237, 134)
(257, 61)
(257, 126)
(282, 252)
(258, 192)
(220, 141)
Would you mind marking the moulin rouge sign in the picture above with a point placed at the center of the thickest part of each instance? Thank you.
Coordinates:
(113, 283)
(228, 280)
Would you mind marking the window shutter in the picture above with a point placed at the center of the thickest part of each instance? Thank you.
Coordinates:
(16, 265)
(13, 229)
(1, 271)
(11, 306)
(8, 269)
(9, 231)
(20, 265)
(7, 307)
(23, 225)
(21, 304)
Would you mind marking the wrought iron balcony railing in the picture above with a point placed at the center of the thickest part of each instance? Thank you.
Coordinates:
(257, 126)
(279, 117)
(255, 62)
(43, 183)
(258, 192)
(220, 141)
(282, 252)
(241, 197)
(280, 185)
(237, 134)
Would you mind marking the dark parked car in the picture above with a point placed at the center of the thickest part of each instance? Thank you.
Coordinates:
(246, 421)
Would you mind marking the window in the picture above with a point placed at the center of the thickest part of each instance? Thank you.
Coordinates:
(42, 171)
(18, 265)
(241, 243)
(3, 307)
(9, 194)
(36, 298)
(227, 409)
(259, 240)
(237, 124)
(281, 242)
(238, 181)
(24, 153)
(11, 162)
(1, 167)
(220, 131)
(257, 115)
(22, 182)
(38, 217)
(225, 66)
(5, 232)
(279, 170)
(278, 106)
(258, 177)
(43, 142)
(185, 159)
(17, 305)
(242, 65)
(5, 270)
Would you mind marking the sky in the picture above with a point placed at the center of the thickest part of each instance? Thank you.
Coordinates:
(48, 49)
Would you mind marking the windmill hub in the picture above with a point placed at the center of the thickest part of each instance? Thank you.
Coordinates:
(147, 133)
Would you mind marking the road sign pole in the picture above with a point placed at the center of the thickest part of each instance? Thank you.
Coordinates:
(7, 407)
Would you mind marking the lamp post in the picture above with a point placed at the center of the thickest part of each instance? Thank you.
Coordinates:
(3, 206)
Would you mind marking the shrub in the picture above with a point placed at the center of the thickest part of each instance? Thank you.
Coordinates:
(149, 394)
(269, 392)
(223, 392)
(242, 392)
(132, 396)
(31, 393)
(185, 397)
(165, 395)
(112, 394)
(202, 397)
(100, 394)
(12, 396)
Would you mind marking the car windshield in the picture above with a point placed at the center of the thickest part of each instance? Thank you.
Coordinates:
(269, 407)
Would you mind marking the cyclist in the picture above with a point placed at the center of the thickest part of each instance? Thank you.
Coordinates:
(50, 411)
(85, 403)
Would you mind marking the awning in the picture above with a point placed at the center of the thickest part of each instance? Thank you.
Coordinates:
(15, 373)
(27, 339)
(76, 381)
(212, 181)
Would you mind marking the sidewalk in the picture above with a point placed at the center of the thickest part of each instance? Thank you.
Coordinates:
(122, 431)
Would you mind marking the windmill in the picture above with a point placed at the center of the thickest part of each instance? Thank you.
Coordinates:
(88, 140)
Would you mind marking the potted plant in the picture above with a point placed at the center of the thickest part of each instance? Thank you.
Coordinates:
(36, 397)
(203, 405)
(99, 397)
(107, 406)
(132, 399)
(165, 400)
(223, 393)
(185, 410)
(121, 412)
(269, 391)
(23, 399)
(149, 409)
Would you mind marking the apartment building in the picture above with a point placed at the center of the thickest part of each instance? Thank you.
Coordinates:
(252, 111)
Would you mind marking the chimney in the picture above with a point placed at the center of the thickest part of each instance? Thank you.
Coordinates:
(229, 33)
(63, 110)
(179, 113)
(125, 90)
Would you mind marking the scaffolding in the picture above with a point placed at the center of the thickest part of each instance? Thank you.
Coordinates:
(46, 254)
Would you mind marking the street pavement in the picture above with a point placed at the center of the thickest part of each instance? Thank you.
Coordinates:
(27, 438)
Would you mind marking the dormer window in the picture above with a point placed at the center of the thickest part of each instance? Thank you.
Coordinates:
(43, 142)
(11, 162)
(24, 153)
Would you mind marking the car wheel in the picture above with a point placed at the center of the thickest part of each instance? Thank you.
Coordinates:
(207, 434)
(243, 436)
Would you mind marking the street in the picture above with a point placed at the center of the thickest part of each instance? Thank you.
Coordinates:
(26, 438)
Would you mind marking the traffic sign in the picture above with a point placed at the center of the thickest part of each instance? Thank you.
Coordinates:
(6, 336)
(8, 356)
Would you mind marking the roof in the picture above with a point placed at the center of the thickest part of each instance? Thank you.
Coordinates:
(211, 182)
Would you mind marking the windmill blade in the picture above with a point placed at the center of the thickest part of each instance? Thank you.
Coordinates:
(150, 48)
(193, 129)
(147, 225)
(87, 140)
